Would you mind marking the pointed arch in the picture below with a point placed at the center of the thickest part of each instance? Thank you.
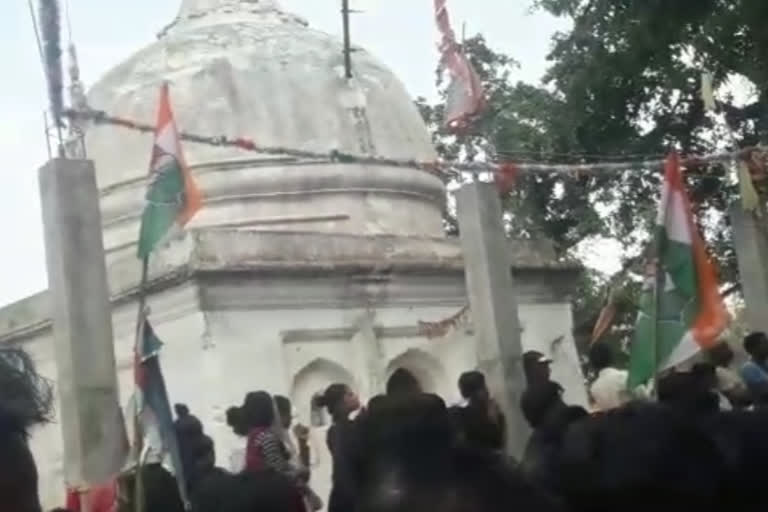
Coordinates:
(313, 378)
(427, 369)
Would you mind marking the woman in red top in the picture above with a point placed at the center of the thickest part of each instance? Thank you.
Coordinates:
(255, 420)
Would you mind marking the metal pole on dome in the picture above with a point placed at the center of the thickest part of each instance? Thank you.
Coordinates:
(345, 11)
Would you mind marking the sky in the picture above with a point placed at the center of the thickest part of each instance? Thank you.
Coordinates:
(400, 32)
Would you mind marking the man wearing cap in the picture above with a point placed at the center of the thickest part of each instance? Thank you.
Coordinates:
(537, 376)
(536, 367)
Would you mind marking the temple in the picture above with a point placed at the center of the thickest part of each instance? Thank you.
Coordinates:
(297, 272)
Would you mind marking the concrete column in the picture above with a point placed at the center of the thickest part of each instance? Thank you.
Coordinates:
(487, 264)
(91, 420)
(371, 354)
(751, 242)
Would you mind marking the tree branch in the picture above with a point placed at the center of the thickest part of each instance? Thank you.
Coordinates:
(731, 290)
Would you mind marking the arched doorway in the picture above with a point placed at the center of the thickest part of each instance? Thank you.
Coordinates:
(425, 368)
(310, 380)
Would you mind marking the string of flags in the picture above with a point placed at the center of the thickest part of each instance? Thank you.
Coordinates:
(754, 156)
(441, 328)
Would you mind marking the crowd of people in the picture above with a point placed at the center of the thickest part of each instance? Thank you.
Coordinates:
(699, 440)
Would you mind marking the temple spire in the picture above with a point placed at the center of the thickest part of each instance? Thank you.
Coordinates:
(196, 8)
(192, 11)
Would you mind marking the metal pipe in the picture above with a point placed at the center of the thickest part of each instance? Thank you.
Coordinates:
(347, 39)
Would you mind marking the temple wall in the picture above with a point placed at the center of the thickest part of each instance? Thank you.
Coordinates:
(211, 359)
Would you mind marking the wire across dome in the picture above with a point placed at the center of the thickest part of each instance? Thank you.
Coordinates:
(246, 68)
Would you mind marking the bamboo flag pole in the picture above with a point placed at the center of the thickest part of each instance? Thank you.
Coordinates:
(138, 434)
(657, 293)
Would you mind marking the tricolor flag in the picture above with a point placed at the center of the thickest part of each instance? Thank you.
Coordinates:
(152, 404)
(173, 197)
(690, 314)
(465, 98)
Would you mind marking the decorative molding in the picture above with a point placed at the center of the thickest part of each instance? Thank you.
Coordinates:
(250, 269)
(347, 333)
(235, 181)
(295, 219)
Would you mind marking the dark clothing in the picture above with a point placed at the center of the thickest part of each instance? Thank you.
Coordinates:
(477, 428)
(538, 398)
(539, 462)
(342, 442)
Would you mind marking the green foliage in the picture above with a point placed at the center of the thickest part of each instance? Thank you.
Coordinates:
(631, 73)
(624, 81)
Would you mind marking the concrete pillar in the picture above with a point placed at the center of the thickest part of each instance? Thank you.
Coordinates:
(371, 354)
(92, 425)
(487, 264)
(751, 242)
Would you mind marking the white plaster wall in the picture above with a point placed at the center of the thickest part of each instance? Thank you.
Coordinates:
(542, 325)
(212, 368)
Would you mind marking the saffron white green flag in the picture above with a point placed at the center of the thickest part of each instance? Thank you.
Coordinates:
(172, 197)
(690, 314)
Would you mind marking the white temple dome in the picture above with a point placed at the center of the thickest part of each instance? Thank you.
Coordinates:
(245, 68)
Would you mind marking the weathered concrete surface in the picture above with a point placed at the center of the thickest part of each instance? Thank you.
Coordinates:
(243, 68)
(539, 276)
(91, 422)
(751, 241)
(228, 302)
(265, 289)
(493, 302)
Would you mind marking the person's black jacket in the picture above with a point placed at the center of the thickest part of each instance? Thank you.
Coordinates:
(539, 462)
(342, 441)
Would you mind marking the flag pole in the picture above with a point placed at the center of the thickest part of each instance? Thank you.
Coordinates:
(138, 440)
(657, 291)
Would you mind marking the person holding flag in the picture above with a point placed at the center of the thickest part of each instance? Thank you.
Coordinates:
(172, 199)
(681, 310)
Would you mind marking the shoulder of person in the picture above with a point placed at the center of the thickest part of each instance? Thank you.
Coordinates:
(753, 374)
(262, 434)
(751, 369)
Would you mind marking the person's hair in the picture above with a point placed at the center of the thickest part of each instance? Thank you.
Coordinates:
(402, 382)
(753, 340)
(413, 437)
(25, 401)
(600, 356)
(674, 463)
(25, 397)
(197, 450)
(333, 400)
(721, 354)
(283, 405)
(186, 424)
(257, 411)
(470, 383)
(703, 370)
(688, 391)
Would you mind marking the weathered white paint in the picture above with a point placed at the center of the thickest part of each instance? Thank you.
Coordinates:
(245, 68)
(248, 351)
(245, 308)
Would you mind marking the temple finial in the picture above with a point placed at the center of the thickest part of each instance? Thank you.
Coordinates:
(196, 8)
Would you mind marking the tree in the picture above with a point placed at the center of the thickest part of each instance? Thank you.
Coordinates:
(631, 72)
(522, 123)
(624, 81)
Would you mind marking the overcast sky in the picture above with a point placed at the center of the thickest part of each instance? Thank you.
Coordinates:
(399, 32)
